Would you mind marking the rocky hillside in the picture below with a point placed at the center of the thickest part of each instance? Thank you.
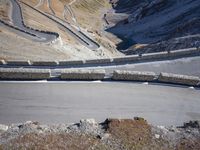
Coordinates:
(130, 26)
(113, 134)
(79, 14)
(145, 23)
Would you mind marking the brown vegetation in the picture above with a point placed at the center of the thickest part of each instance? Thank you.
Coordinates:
(55, 141)
(115, 134)
(4, 10)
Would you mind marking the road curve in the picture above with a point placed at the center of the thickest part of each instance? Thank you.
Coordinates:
(78, 35)
(17, 20)
(50, 36)
(67, 102)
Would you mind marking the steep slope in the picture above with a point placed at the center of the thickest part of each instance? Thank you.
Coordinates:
(61, 11)
(147, 22)
(4, 10)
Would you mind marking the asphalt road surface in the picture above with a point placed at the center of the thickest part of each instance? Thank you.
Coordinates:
(185, 66)
(18, 22)
(67, 102)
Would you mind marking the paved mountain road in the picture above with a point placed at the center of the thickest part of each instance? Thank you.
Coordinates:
(66, 102)
(17, 20)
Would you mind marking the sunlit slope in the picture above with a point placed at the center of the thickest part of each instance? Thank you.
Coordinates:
(66, 46)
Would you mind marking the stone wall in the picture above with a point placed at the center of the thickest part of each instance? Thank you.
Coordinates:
(179, 79)
(71, 63)
(118, 60)
(72, 74)
(44, 63)
(154, 56)
(98, 61)
(133, 75)
(19, 63)
(132, 58)
(24, 74)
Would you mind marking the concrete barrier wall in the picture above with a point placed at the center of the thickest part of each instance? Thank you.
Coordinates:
(154, 56)
(18, 63)
(184, 52)
(44, 63)
(126, 59)
(132, 58)
(133, 75)
(179, 79)
(68, 63)
(83, 74)
(24, 74)
(98, 61)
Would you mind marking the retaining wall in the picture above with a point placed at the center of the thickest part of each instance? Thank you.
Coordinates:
(24, 74)
(19, 63)
(68, 63)
(127, 59)
(83, 74)
(98, 61)
(184, 52)
(154, 56)
(179, 79)
(44, 63)
(133, 75)
(132, 58)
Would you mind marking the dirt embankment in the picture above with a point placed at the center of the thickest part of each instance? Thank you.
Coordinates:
(5, 10)
(67, 47)
(114, 134)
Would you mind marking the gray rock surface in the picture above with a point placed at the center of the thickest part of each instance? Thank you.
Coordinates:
(179, 79)
(133, 75)
(44, 63)
(75, 74)
(21, 73)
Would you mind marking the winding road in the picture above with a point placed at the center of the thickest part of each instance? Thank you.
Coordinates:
(17, 20)
(76, 33)
(50, 36)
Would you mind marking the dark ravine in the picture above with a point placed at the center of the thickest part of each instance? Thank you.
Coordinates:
(154, 21)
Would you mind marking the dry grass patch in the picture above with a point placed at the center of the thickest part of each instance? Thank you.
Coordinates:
(188, 144)
(4, 10)
(55, 141)
(134, 134)
(89, 13)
